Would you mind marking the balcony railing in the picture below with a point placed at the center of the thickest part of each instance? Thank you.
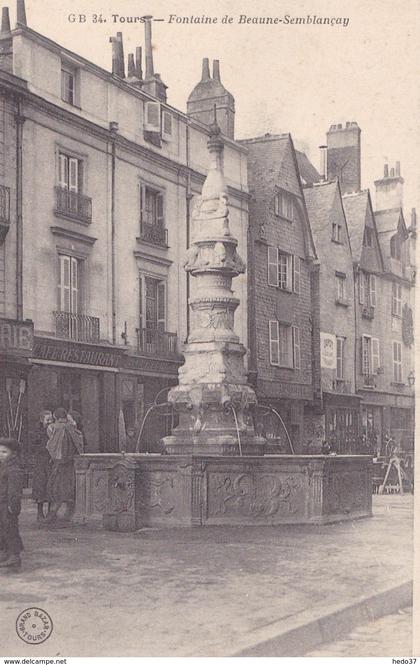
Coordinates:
(154, 342)
(4, 205)
(73, 204)
(368, 312)
(156, 233)
(77, 327)
(343, 387)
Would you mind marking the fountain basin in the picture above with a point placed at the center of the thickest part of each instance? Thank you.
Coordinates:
(130, 491)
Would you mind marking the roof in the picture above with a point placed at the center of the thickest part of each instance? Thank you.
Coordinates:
(307, 170)
(387, 221)
(355, 206)
(319, 201)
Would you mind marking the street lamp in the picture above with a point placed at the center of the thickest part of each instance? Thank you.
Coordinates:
(411, 379)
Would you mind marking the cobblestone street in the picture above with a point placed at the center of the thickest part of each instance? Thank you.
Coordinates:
(391, 634)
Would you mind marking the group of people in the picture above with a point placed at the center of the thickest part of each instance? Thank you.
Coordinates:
(60, 439)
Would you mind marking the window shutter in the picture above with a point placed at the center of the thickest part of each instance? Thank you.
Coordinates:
(366, 355)
(277, 204)
(74, 285)
(159, 209)
(296, 347)
(273, 332)
(296, 274)
(372, 290)
(362, 296)
(73, 174)
(142, 195)
(63, 171)
(273, 271)
(161, 306)
(167, 125)
(64, 286)
(289, 275)
(376, 360)
(142, 307)
(340, 358)
(152, 117)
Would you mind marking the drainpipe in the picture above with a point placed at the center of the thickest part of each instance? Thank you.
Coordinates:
(188, 197)
(19, 217)
(356, 340)
(114, 129)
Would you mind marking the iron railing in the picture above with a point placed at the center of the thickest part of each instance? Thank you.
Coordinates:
(73, 204)
(369, 381)
(4, 204)
(155, 233)
(154, 342)
(341, 386)
(77, 327)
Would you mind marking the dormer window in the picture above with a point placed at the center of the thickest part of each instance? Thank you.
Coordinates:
(167, 126)
(68, 84)
(336, 233)
(158, 124)
(284, 206)
(152, 123)
(396, 247)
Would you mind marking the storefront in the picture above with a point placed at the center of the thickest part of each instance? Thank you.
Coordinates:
(388, 414)
(342, 423)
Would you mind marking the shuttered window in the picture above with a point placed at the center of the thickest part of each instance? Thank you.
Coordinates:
(284, 206)
(152, 112)
(396, 299)
(68, 85)
(397, 361)
(273, 332)
(296, 347)
(297, 262)
(151, 206)
(69, 172)
(153, 307)
(283, 270)
(273, 270)
(69, 284)
(167, 126)
(376, 358)
(366, 355)
(284, 343)
(372, 290)
(340, 357)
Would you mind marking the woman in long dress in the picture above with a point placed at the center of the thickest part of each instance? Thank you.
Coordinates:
(42, 463)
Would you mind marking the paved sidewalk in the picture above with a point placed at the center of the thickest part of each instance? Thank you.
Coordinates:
(211, 591)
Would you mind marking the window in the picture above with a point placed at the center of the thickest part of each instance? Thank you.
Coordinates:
(367, 289)
(397, 362)
(152, 112)
(167, 126)
(69, 285)
(336, 232)
(396, 299)
(152, 303)
(368, 237)
(284, 270)
(69, 173)
(68, 85)
(371, 360)
(152, 219)
(340, 357)
(341, 287)
(284, 206)
(284, 343)
(396, 247)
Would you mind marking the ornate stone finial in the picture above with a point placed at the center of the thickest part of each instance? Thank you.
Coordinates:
(214, 127)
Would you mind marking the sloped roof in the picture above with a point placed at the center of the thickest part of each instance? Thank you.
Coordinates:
(355, 207)
(307, 170)
(387, 220)
(319, 201)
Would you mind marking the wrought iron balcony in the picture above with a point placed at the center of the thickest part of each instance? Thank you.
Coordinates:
(4, 211)
(152, 342)
(368, 312)
(77, 327)
(155, 233)
(341, 386)
(73, 204)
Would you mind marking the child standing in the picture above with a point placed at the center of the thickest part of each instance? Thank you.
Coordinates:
(11, 485)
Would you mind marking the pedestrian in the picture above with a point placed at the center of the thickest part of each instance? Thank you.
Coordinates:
(42, 463)
(64, 444)
(11, 486)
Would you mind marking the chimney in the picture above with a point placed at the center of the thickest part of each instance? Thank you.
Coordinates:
(390, 189)
(343, 156)
(118, 68)
(139, 72)
(131, 68)
(21, 12)
(205, 74)
(323, 161)
(413, 219)
(5, 31)
(148, 46)
(216, 70)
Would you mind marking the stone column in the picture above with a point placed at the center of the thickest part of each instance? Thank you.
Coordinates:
(213, 399)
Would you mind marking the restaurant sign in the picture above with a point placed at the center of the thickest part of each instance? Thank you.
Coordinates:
(16, 337)
(75, 353)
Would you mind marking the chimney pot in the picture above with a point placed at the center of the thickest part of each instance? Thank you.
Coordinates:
(139, 72)
(5, 23)
(205, 76)
(398, 168)
(386, 171)
(21, 12)
(131, 67)
(392, 173)
(339, 126)
(216, 70)
(148, 46)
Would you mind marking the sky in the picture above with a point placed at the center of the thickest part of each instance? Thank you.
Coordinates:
(285, 78)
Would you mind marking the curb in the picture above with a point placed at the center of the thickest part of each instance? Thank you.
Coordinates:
(330, 627)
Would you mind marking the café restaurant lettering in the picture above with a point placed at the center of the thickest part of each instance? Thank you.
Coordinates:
(16, 336)
(73, 354)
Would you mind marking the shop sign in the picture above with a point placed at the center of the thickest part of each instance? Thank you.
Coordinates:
(328, 351)
(16, 337)
(46, 350)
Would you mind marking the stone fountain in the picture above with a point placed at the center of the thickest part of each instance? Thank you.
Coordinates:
(214, 471)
